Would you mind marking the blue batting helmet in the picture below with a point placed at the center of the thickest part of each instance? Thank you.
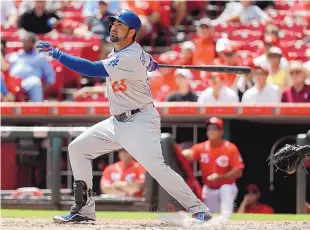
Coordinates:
(127, 17)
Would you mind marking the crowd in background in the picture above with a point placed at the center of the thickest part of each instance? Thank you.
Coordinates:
(271, 37)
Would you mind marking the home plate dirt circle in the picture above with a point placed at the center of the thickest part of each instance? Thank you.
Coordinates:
(39, 224)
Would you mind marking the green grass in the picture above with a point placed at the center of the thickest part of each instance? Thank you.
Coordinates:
(144, 215)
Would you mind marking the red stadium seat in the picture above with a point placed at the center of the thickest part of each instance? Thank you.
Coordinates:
(57, 87)
(90, 39)
(297, 56)
(296, 28)
(255, 26)
(99, 97)
(71, 77)
(10, 36)
(73, 7)
(287, 36)
(284, 5)
(74, 16)
(277, 15)
(253, 47)
(11, 29)
(13, 47)
(297, 47)
(244, 36)
(14, 85)
(165, 19)
(224, 28)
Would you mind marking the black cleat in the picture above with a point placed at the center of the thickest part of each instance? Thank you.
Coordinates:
(202, 216)
(73, 218)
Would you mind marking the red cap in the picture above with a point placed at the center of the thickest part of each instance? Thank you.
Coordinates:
(216, 121)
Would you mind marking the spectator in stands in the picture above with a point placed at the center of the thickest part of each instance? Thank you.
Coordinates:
(98, 23)
(187, 53)
(90, 7)
(299, 91)
(5, 95)
(243, 12)
(183, 81)
(244, 83)
(217, 93)
(277, 75)
(124, 178)
(262, 92)
(38, 20)
(227, 56)
(271, 38)
(31, 67)
(9, 14)
(50, 5)
(185, 8)
(251, 204)
(205, 44)
(221, 165)
(148, 12)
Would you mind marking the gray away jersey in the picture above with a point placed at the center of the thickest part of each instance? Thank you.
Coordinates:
(127, 87)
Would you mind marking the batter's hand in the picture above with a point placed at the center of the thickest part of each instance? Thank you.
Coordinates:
(214, 177)
(153, 65)
(44, 47)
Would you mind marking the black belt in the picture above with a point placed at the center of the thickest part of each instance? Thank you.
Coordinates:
(123, 116)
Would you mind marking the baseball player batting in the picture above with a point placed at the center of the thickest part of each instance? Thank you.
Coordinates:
(134, 123)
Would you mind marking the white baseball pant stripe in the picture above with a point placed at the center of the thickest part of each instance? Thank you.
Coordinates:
(220, 200)
(140, 136)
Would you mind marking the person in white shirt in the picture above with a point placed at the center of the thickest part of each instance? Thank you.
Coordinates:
(244, 12)
(263, 60)
(8, 15)
(218, 93)
(262, 92)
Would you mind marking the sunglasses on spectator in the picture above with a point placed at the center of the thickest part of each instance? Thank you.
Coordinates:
(260, 73)
(204, 26)
(229, 54)
(274, 56)
(293, 72)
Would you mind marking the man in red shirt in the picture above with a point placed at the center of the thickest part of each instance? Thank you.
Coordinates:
(299, 91)
(124, 178)
(251, 204)
(221, 165)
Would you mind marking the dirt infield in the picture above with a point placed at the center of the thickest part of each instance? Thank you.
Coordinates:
(44, 224)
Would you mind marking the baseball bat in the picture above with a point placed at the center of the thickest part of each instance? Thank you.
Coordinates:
(211, 68)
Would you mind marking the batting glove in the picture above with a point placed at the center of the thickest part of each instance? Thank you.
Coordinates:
(153, 65)
(44, 47)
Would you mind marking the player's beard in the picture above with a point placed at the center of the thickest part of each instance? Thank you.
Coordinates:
(115, 38)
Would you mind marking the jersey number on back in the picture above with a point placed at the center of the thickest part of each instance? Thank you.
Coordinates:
(119, 86)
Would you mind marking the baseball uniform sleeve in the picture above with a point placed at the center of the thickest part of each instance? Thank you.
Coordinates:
(196, 150)
(127, 65)
(106, 175)
(236, 160)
